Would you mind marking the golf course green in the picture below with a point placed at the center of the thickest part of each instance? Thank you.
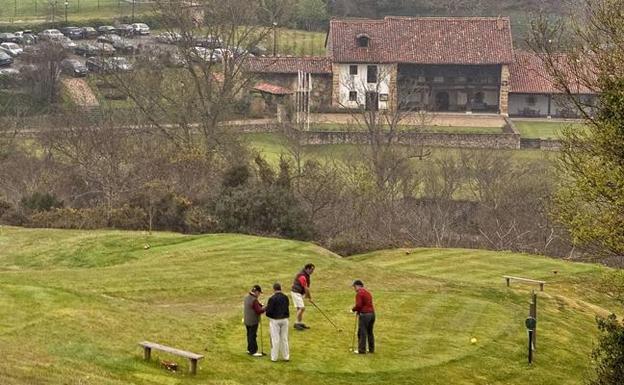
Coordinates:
(75, 304)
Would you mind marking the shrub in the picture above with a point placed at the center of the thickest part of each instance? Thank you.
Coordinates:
(41, 202)
(608, 355)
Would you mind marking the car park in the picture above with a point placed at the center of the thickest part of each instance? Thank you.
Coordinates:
(5, 59)
(89, 32)
(124, 30)
(12, 49)
(72, 32)
(74, 67)
(8, 37)
(51, 34)
(107, 65)
(104, 29)
(141, 29)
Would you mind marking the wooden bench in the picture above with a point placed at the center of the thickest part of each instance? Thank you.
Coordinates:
(508, 278)
(193, 357)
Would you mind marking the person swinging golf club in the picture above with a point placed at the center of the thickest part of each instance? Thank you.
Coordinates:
(366, 317)
(300, 290)
(252, 309)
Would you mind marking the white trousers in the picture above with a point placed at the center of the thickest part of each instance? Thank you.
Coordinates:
(279, 338)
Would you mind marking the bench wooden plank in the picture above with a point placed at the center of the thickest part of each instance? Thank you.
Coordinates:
(508, 278)
(177, 352)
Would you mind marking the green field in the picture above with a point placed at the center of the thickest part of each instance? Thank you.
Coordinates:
(543, 130)
(74, 305)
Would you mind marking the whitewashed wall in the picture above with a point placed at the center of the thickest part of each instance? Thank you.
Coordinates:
(518, 102)
(358, 83)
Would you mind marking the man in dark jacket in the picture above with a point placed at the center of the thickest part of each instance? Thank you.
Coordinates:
(277, 312)
(366, 314)
(252, 309)
(300, 290)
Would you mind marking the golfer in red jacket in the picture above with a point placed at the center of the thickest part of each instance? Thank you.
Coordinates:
(366, 314)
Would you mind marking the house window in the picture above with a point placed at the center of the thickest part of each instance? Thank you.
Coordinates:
(383, 97)
(531, 101)
(353, 96)
(371, 74)
(353, 70)
(362, 41)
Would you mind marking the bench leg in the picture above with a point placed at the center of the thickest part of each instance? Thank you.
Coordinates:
(541, 287)
(147, 353)
(193, 367)
(507, 279)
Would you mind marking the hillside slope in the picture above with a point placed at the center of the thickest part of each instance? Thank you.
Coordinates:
(74, 304)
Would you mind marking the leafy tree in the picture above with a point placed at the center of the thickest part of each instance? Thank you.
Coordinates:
(311, 14)
(609, 353)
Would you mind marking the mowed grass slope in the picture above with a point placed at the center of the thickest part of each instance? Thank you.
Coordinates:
(74, 304)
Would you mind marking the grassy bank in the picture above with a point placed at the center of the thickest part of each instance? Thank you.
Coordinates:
(74, 304)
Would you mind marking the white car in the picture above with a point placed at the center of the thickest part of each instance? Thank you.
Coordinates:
(206, 55)
(140, 29)
(12, 49)
(67, 43)
(51, 34)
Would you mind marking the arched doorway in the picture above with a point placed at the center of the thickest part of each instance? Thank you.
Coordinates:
(442, 101)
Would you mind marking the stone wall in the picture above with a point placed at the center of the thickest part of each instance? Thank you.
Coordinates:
(498, 141)
(503, 103)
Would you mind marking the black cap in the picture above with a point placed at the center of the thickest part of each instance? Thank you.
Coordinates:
(256, 288)
(357, 282)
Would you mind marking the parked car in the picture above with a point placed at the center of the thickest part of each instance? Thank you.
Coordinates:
(74, 67)
(160, 57)
(26, 37)
(125, 46)
(51, 34)
(109, 38)
(89, 32)
(103, 29)
(168, 37)
(86, 49)
(258, 50)
(124, 30)
(107, 65)
(141, 29)
(12, 49)
(67, 43)
(5, 59)
(105, 49)
(206, 55)
(9, 73)
(8, 37)
(72, 32)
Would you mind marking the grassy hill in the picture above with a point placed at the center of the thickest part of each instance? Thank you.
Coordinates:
(74, 304)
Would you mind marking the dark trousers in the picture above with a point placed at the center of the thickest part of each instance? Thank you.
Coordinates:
(252, 332)
(365, 332)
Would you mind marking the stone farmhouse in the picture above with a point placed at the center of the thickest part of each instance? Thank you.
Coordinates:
(444, 64)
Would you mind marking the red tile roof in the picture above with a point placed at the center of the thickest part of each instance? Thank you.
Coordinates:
(423, 40)
(287, 65)
(272, 89)
(528, 75)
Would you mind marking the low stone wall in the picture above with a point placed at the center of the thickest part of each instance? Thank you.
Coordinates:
(497, 141)
(540, 144)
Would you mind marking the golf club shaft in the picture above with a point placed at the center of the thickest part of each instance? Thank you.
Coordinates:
(325, 315)
(261, 339)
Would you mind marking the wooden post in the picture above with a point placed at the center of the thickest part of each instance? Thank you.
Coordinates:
(507, 279)
(193, 367)
(147, 353)
(541, 287)
(533, 313)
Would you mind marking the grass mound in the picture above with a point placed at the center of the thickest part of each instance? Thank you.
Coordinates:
(74, 305)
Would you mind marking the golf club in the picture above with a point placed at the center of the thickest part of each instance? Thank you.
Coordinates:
(325, 315)
(354, 332)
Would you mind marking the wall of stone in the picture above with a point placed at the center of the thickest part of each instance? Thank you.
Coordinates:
(498, 141)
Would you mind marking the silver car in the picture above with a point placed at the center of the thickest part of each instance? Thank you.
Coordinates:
(12, 49)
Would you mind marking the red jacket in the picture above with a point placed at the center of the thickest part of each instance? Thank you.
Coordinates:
(363, 302)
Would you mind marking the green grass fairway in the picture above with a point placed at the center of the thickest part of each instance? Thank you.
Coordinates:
(543, 130)
(74, 305)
